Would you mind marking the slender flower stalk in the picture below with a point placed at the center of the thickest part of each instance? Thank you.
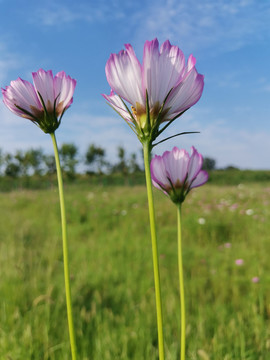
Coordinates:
(158, 91)
(176, 173)
(44, 103)
(181, 284)
(146, 152)
(65, 250)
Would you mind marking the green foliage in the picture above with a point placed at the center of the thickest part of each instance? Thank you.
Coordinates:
(67, 154)
(209, 164)
(25, 169)
(235, 176)
(50, 165)
(133, 164)
(125, 166)
(12, 170)
(218, 177)
(121, 166)
(95, 159)
(112, 279)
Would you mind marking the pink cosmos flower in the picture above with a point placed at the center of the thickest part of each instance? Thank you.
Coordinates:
(160, 89)
(45, 102)
(176, 172)
(239, 262)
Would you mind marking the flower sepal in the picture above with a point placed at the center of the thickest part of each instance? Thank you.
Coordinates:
(177, 199)
(176, 192)
(49, 121)
(49, 124)
(178, 195)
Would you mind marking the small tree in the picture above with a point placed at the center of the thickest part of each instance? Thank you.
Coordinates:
(94, 158)
(34, 159)
(122, 165)
(133, 165)
(68, 153)
(22, 163)
(50, 166)
(209, 164)
(12, 168)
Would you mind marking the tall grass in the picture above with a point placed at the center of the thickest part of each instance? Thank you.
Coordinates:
(227, 314)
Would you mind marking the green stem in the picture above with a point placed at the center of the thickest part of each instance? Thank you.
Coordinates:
(181, 285)
(65, 251)
(146, 152)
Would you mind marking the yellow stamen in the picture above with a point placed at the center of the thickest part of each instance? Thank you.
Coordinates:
(134, 110)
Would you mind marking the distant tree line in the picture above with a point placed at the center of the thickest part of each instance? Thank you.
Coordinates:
(36, 162)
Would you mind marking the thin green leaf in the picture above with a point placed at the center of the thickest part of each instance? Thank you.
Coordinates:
(170, 137)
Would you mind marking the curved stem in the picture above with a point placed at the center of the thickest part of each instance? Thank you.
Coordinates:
(181, 284)
(65, 251)
(146, 152)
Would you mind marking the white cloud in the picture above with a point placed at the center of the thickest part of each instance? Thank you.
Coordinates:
(192, 24)
(242, 148)
(81, 129)
(18, 133)
(59, 13)
(8, 62)
(227, 25)
(108, 132)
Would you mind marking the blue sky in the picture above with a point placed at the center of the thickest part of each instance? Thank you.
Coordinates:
(230, 40)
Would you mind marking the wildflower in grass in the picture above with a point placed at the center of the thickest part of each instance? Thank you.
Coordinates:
(201, 221)
(239, 262)
(44, 103)
(176, 173)
(233, 207)
(249, 212)
(227, 245)
(255, 279)
(90, 196)
(159, 90)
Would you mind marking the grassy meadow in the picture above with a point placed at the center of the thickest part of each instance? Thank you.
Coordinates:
(227, 313)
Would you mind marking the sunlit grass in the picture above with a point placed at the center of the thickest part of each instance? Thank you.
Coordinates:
(112, 280)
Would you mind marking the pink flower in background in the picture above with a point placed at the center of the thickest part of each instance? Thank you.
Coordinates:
(239, 262)
(160, 89)
(176, 172)
(45, 102)
(255, 279)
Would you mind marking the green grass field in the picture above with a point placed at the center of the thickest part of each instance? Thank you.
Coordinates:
(112, 280)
